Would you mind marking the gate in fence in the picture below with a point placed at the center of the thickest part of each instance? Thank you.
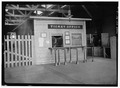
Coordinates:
(18, 51)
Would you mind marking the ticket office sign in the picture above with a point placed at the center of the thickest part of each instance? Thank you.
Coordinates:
(62, 26)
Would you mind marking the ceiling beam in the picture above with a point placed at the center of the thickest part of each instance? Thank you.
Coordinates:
(11, 14)
(84, 7)
(38, 9)
(17, 8)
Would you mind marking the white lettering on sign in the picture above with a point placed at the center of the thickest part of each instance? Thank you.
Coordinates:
(62, 26)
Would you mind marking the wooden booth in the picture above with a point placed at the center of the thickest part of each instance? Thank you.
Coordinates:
(45, 40)
(59, 40)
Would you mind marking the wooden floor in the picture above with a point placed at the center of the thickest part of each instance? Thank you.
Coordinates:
(100, 71)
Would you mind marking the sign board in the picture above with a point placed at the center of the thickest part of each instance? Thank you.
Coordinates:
(41, 42)
(62, 26)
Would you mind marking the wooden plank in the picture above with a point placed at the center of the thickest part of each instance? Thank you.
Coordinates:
(11, 40)
(70, 55)
(8, 57)
(58, 57)
(26, 48)
(29, 49)
(33, 51)
(4, 53)
(15, 52)
(22, 41)
(65, 56)
(76, 55)
(55, 57)
(19, 46)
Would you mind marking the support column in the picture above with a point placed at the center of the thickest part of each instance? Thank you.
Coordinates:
(55, 58)
(65, 56)
(58, 58)
(77, 56)
(70, 55)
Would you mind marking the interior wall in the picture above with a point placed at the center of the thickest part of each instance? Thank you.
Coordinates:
(108, 25)
(27, 28)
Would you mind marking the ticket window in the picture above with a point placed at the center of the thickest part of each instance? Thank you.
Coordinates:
(57, 41)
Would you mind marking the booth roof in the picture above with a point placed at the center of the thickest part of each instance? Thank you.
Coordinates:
(60, 18)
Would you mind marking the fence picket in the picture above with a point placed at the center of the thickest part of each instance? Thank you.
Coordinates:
(4, 53)
(32, 49)
(22, 49)
(26, 39)
(19, 51)
(15, 51)
(11, 52)
(7, 39)
(29, 49)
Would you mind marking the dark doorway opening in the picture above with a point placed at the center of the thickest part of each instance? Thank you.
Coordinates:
(57, 41)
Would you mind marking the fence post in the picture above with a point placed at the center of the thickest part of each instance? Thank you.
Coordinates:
(32, 50)
(29, 49)
(19, 46)
(55, 58)
(77, 55)
(22, 41)
(26, 51)
(15, 51)
(58, 57)
(65, 56)
(8, 56)
(4, 53)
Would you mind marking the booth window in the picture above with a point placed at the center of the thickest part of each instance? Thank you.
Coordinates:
(57, 41)
(76, 39)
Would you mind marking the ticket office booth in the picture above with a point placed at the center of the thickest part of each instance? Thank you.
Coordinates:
(57, 38)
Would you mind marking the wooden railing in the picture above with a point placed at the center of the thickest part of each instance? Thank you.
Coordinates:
(57, 62)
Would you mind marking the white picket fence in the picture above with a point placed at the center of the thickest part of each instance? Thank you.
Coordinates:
(18, 51)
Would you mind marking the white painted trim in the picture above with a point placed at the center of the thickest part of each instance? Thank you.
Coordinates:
(60, 18)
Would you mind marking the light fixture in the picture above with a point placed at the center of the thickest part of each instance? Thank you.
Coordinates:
(43, 5)
(6, 10)
(47, 6)
(12, 35)
(39, 12)
(34, 11)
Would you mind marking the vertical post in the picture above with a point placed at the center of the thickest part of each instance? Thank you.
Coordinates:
(55, 58)
(32, 50)
(12, 62)
(26, 49)
(8, 54)
(85, 53)
(92, 53)
(58, 58)
(4, 53)
(22, 40)
(19, 49)
(104, 51)
(70, 54)
(76, 56)
(29, 49)
(15, 49)
(65, 56)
